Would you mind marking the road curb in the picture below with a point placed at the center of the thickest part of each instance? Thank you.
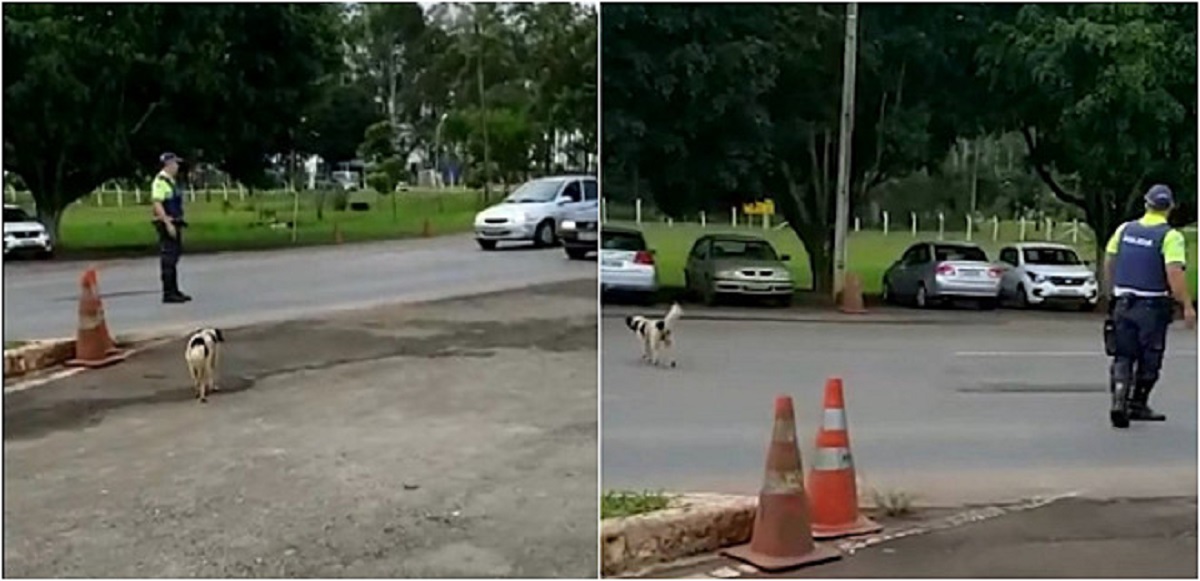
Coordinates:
(694, 524)
(813, 318)
(44, 354)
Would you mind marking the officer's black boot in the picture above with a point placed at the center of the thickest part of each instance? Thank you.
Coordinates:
(171, 294)
(1139, 405)
(1118, 414)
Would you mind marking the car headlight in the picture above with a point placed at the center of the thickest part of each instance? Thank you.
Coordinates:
(568, 225)
(726, 274)
(1036, 277)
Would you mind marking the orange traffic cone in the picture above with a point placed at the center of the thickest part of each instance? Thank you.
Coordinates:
(94, 346)
(782, 537)
(852, 295)
(832, 480)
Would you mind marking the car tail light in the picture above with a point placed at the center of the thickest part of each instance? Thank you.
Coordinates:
(643, 257)
(945, 269)
(995, 272)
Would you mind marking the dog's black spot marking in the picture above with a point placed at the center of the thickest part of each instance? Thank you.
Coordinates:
(197, 341)
(661, 325)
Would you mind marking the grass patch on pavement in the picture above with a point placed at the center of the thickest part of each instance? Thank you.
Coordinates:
(14, 344)
(617, 503)
(870, 252)
(217, 223)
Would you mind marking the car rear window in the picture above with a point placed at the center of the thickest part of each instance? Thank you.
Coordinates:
(16, 215)
(748, 249)
(622, 241)
(948, 253)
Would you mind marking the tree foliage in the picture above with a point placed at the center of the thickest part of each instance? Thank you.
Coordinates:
(96, 93)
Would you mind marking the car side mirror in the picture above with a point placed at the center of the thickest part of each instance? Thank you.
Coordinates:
(563, 201)
(785, 257)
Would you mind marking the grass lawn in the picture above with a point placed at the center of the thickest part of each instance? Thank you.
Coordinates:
(214, 224)
(619, 503)
(870, 252)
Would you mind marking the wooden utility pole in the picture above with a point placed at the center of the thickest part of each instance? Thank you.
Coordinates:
(849, 66)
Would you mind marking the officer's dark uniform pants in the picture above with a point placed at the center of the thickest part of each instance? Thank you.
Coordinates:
(170, 248)
(1141, 339)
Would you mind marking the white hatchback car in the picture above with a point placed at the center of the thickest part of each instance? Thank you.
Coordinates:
(535, 211)
(24, 234)
(1040, 273)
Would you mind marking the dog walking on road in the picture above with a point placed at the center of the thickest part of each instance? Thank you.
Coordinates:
(657, 335)
(202, 356)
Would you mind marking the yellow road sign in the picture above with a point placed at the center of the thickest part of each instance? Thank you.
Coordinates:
(759, 208)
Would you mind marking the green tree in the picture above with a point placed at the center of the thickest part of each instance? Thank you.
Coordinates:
(1105, 93)
(95, 94)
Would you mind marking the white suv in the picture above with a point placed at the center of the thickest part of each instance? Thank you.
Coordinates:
(1038, 273)
(24, 234)
(535, 211)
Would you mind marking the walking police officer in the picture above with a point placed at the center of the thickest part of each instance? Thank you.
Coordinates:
(167, 196)
(1145, 268)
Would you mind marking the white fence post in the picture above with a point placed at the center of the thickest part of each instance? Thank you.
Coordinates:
(1022, 228)
(120, 197)
(225, 190)
(995, 228)
(703, 219)
(941, 225)
(766, 221)
(857, 224)
(99, 197)
(670, 222)
(914, 223)
(886, 220)
(1050, 229)
(242, 192)
(1075, 231)
(734, 219)
(970, 226)
(637, 211)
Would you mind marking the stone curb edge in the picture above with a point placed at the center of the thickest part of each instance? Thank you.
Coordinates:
(44, 354)
(704, 523)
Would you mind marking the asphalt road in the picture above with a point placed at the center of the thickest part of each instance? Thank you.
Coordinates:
(40, 299)
(455, 439)
(985, 412)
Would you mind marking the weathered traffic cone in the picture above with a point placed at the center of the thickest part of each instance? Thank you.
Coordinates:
(852, 295)
(834, 490)
(94, 347)
(782, 537)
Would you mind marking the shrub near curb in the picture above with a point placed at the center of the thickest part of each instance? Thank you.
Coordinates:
(694, 524)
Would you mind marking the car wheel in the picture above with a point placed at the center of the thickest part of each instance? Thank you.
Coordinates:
(922, 298)
(543, 236)
(1022, 297)
(577, 253)
(486, 244)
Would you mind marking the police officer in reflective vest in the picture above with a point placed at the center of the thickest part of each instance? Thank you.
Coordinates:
(167, 196)
(1145, 268)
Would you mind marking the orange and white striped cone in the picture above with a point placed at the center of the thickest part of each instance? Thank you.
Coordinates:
(782, 536)
(94, 346)
(832, 480)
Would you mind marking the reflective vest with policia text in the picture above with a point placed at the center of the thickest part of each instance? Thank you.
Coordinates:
(1143, 249)
(165, 191)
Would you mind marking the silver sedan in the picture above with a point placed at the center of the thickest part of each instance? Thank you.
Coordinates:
(933, 272)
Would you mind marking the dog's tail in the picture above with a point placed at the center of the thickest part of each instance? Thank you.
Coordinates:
(672, 315)
(634, 322)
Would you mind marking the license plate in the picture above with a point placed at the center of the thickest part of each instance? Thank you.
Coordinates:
(612, 263)
(970, 272)
(757, 287)
(587, 236)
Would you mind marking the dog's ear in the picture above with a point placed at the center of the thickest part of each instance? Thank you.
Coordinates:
(660, 324)
(219, 335)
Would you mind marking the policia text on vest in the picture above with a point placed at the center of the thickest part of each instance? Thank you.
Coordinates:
(168, 222)
(1145, 268)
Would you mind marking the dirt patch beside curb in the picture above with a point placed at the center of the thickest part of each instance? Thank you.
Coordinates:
(36, 356)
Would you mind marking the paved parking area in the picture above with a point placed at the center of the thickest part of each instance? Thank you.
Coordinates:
(452, 439)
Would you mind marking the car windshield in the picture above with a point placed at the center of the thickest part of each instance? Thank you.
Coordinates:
(622, 241)
(534, 192)
(747, 249)
(16, 215)
(1051, 256)
(959, 253)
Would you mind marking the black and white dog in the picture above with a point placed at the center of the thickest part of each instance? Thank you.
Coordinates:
(657, 335)
(202, 356)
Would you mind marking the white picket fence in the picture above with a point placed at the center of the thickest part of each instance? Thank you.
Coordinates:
(974, 228)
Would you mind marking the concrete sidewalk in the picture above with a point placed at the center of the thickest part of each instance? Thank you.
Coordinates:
(1074, 538)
